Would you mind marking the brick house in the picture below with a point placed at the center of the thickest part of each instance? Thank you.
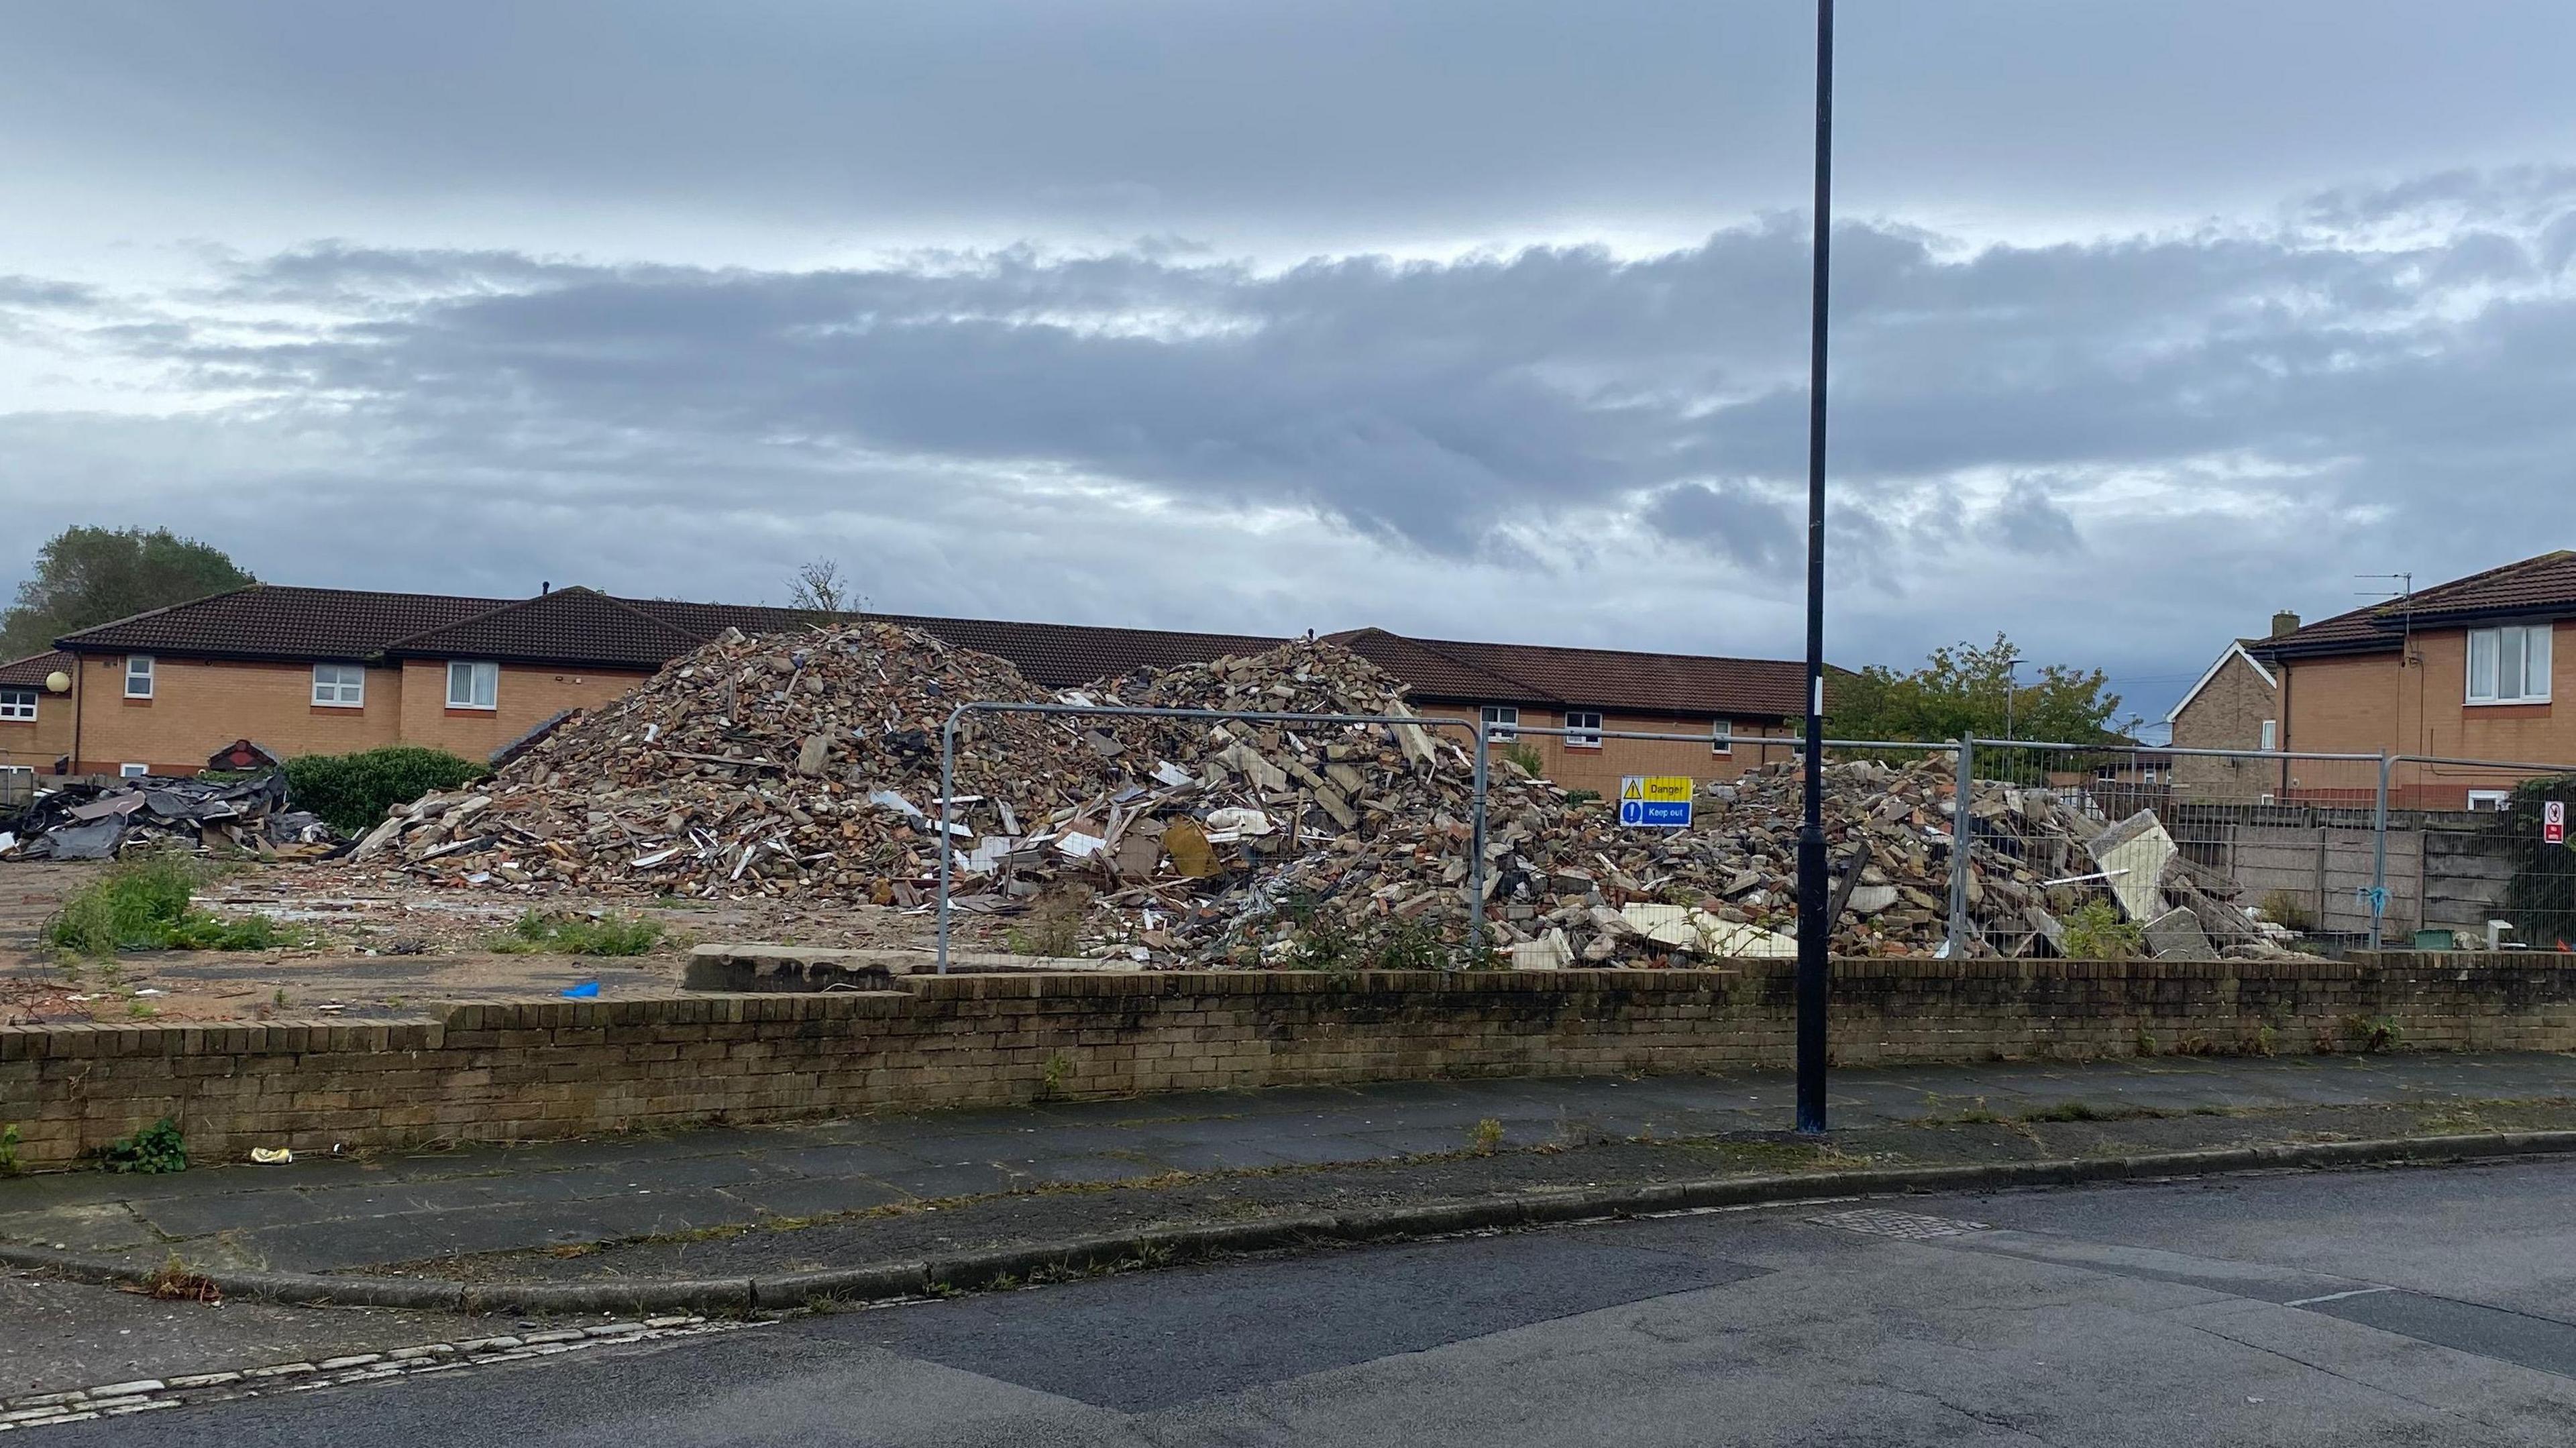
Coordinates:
(35, 717)
(2463, 670)
(2235, 705)
(328, 671)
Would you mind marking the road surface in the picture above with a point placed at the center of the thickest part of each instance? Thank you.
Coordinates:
(2397, 1307)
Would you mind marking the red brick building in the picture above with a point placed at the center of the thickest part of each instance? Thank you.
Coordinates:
(328, 671)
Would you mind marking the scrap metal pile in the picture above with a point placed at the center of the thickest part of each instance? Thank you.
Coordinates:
(808, 766)
(98, 821)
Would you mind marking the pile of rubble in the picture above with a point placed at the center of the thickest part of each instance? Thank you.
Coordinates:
(807, 766)
(84, 820)
(795, 764)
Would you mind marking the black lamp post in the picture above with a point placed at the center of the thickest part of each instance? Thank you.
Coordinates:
(1812, 924)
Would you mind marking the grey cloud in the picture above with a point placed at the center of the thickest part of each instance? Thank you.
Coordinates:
(1734, 519)
(2029, 521)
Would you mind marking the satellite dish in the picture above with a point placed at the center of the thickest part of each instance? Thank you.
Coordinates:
(58, 681)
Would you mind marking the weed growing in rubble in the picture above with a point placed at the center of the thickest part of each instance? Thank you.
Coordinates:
(1054, 924)
(1526, 755)
(142, 903)
(1486, 1137)
(2095, 931)
(537, 933)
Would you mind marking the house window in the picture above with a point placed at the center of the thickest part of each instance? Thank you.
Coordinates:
(473, 686)
(2271, 735)
(1582, 729)
(138, 676)
(17, 703)
(2489, 801)
(1721, 737)
(1502, 723)
(132, 771)
(2509, 665)
(340, 686)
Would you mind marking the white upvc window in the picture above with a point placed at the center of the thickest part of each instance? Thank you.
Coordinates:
(2271, 735)
(17, 703)
(2489, 801)
(340, 686)
(1721, 737)
(1502, 722)
(132, 771)
(138, 676)
(2509, 665)
(473, 685)
(1582, 728)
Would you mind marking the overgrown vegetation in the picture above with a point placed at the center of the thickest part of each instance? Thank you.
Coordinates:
(142, 903)
(2095, 931)
(1321, 943)
(540, 933)
(9, 1139)
(2374, 1033)
(156, 1150)
(353, 791)
(1526, 755)
(1486, 1137)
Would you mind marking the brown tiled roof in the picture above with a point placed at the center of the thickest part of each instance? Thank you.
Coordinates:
(2533, 585)
(271, 621)
(582, 627)
(31, 670)
(1455, 670)
(575, 626)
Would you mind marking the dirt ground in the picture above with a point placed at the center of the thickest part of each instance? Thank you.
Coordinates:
(380, 945)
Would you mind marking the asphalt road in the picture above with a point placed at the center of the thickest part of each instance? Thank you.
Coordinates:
(2396, 1307)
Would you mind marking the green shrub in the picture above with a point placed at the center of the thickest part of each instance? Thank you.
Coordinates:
(534, 933)
(2286, 909)
(154, 1150)
(142, 903)
(353, 791)
(1526, 755)
(9, 1149)
(1582, 796)
(2095, 931)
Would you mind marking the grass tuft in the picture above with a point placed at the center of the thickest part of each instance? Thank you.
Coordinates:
(142, 903)
(537, 933)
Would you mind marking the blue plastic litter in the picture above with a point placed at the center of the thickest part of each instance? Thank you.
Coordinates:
(582, 992)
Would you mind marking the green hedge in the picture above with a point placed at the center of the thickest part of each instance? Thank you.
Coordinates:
(353, 791)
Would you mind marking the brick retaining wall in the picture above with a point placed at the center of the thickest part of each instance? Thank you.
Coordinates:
(536, 1070)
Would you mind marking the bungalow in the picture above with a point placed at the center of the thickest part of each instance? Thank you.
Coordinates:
(320, 670)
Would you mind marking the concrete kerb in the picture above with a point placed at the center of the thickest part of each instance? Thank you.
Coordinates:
(1078, 1256)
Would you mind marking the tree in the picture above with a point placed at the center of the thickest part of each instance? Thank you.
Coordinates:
(1964, 688)
(819, 588)
(88, 576)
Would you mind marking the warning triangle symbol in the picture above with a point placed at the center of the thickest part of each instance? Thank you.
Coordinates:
(1632, 789)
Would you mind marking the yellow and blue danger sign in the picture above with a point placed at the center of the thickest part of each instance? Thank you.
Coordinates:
(1655, 801)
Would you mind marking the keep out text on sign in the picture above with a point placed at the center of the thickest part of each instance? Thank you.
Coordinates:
(1655, 801)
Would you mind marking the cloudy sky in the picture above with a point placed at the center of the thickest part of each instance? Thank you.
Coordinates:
(1477, 318)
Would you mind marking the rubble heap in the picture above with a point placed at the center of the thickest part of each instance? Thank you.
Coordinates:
(808, 765)
(786, 764)
(83, 820)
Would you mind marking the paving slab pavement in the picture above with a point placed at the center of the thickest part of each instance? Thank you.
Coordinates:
(344, 1214)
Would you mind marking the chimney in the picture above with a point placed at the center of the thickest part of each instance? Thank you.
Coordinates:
(547, 585)
(2284, 622)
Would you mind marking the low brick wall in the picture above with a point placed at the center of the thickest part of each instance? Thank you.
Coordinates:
(536, 1070)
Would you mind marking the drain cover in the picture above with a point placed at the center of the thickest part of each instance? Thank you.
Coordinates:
(1905, 1226)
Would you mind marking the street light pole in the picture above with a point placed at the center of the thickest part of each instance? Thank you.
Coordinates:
(1812, 925)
